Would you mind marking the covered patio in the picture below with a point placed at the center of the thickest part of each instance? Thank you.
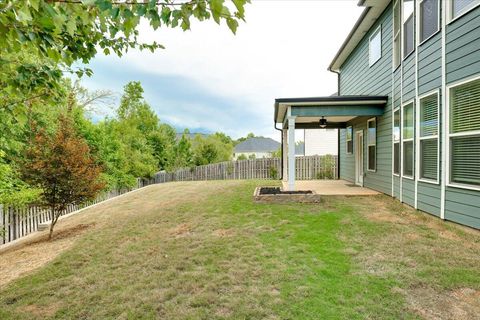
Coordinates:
(332, 112)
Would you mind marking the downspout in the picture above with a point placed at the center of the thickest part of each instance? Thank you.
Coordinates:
(281, 149)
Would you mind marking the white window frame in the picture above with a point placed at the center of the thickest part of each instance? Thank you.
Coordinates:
(403, 140)
(405, 56)
(375, 145)
(451, 18)
(346, 140)
(377, 31)
(399, 141)
(449, 182)
(418, 22)
(397, 35)
(420, 138)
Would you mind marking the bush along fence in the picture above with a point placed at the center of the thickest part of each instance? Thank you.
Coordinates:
(16, 223)
(307, 168)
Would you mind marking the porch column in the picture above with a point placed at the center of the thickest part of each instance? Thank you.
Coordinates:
(285, 155)
(291, 153)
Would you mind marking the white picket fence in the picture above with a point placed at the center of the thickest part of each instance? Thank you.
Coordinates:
(16, 223)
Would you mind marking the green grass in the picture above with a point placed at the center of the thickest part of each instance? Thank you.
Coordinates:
(224, 257)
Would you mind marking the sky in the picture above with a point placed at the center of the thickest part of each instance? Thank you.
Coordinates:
(209, 80)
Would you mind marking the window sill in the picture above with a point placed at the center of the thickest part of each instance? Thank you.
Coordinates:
(451, 20)
(408, 55)
(408, 177)
(463, 186)
(430, 37)
(373, 171)
(396, 175)
(435, 182)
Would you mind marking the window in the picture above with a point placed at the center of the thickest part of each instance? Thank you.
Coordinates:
(372, 144)
(464, 133)
(407, 140)
(429, 18)
(396, 142)
(375, 46)
(396, 34)
(429, 137)
(349, 139)
(458, 7)
(408, 27)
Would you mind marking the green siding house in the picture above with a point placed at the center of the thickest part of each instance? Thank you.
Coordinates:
(408, 106)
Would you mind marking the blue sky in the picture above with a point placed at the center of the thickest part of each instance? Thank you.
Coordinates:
(209, 80)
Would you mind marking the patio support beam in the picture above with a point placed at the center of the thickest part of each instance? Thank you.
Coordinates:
(284, 155)
(291, 153)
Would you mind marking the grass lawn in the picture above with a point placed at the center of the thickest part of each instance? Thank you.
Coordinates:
(205, 251)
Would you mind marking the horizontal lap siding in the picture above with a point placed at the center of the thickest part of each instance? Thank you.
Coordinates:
(347, 161)
(429, 198)
(463, 61)
(430, 79)
(408, 189)
(358, 78)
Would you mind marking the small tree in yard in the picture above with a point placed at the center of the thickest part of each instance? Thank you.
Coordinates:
(62, 166)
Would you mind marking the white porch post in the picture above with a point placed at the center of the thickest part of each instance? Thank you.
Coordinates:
(291, 153)
(285, 155)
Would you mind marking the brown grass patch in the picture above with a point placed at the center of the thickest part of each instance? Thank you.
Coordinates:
(182, 230)
(223, 233)
(34, 254)
(463, 303)
(40, 311)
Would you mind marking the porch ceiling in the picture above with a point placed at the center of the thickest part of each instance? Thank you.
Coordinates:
(336, 109)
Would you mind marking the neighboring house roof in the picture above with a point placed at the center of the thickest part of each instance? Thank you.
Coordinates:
(373, 10)
(257, 144)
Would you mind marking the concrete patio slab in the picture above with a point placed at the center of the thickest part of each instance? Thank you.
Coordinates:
(332, 187)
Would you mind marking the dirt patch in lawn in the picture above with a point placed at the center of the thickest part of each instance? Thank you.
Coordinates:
(459, 304)
(40, 311)
(182, 230)
(37, 252)
(223, 233)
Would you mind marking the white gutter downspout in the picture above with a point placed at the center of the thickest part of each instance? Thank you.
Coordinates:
(444, 112)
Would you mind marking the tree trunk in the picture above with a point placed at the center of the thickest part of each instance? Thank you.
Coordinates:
(52, 224)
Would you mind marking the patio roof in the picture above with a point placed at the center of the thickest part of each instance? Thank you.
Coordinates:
(337, 110)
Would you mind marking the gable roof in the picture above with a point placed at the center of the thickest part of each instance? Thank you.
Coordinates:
(257, 144)
(373, 10)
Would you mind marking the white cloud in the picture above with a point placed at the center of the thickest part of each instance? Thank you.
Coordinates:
(283, 50)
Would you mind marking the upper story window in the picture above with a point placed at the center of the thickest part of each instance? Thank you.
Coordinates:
(396, 34)
(458, 7)
(429, 18)
(375, 46)
(408, 27)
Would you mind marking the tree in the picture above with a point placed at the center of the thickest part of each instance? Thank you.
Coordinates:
(62, 166)
(69, 31)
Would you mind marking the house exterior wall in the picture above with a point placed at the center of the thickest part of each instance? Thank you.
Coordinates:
(449, 56)
(321, 142)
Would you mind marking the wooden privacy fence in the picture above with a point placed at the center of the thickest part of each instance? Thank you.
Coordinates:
(307, 168)
(16, 223)
(19, 222)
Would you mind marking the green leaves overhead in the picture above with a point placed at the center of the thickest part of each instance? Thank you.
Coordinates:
(61, 33)
(69, 31)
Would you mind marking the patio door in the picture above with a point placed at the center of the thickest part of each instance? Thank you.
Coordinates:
(359, 158)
